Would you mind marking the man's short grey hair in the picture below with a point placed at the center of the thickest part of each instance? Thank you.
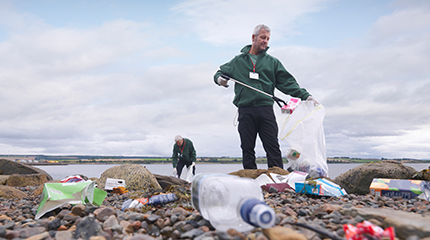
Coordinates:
(259, 27)
(178, 138)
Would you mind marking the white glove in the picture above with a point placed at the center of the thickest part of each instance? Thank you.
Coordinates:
(193, 164)
(174, 172)
(310, 98)
(222, 81)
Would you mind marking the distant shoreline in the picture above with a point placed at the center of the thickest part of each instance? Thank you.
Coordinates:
(40, 160)
(44, 164)
(104, 162)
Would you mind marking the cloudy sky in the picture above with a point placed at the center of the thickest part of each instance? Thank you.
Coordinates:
(118, 77)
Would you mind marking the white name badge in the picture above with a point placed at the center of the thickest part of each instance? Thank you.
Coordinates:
(253, 75)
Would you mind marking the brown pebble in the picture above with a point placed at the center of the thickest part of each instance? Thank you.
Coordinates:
(167, 222)
(79, 210)
(232, 232)
(160, 223)
(72, 228)
(38, 236)
(136, 225)
(127, 227)
(20, 218)
(4, 217)
(261, 237)
(105, 213)
(187, 227)
(205, 228)
(329, 208)
(283, 233)
(181, 218)
(97, 238)
(179, 211)
(62, 228)
(289, 212)
(251, 236)
(63, 213)
(11, 234)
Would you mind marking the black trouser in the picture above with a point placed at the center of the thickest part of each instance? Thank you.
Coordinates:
(180, 166)
(261, 120)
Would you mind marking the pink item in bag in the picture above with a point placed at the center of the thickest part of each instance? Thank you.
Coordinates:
(291, 105)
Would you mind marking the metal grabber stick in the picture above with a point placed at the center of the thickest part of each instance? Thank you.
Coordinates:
(277, 100)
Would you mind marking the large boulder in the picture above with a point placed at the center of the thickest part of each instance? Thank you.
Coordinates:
(10, 192)
(23, 180)
(136, 177)
(423, 175)
(8, 167)
(358, 179)
(254, 173)
(3, 179)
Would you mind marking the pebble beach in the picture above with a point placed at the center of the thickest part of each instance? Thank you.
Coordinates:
(298, 216)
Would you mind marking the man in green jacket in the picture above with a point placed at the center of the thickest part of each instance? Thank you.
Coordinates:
(257, 69)
(184, 154)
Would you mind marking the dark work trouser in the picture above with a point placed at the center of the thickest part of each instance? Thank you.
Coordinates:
(180, 166)
(261, 120)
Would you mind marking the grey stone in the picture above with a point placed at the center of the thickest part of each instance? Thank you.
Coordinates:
(205, 236)
(87, 227)
(28, 232)
(192, 233)
(8, 224)
(63, 235)
(223, 235)
(2, 232)
(55, 224)
(152, 218)
(141, 237)
(135, 216)
(105, 213)
(110, 222)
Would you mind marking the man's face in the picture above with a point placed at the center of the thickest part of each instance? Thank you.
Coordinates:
(179, 142)
(261, 40)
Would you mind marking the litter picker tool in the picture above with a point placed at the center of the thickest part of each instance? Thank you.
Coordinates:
(277, 100)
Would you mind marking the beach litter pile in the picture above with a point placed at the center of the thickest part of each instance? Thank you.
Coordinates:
(300, 183)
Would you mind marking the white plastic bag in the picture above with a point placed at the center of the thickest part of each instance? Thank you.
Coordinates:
(303, 131)
(187, 174)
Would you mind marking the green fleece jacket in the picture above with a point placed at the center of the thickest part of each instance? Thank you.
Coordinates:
(272, 74)
(186, 152)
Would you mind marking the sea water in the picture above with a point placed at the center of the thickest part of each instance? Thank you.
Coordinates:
(96, 170)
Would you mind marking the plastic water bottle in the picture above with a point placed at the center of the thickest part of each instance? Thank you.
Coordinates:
(154, 200)
(162, 199)
(228, 201)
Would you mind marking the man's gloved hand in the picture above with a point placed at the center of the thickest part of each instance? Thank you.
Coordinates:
(310, 98)
(174, 173)
(222, 81)
(193, 164)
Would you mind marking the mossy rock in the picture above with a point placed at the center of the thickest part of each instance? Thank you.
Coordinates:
(136, 177)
